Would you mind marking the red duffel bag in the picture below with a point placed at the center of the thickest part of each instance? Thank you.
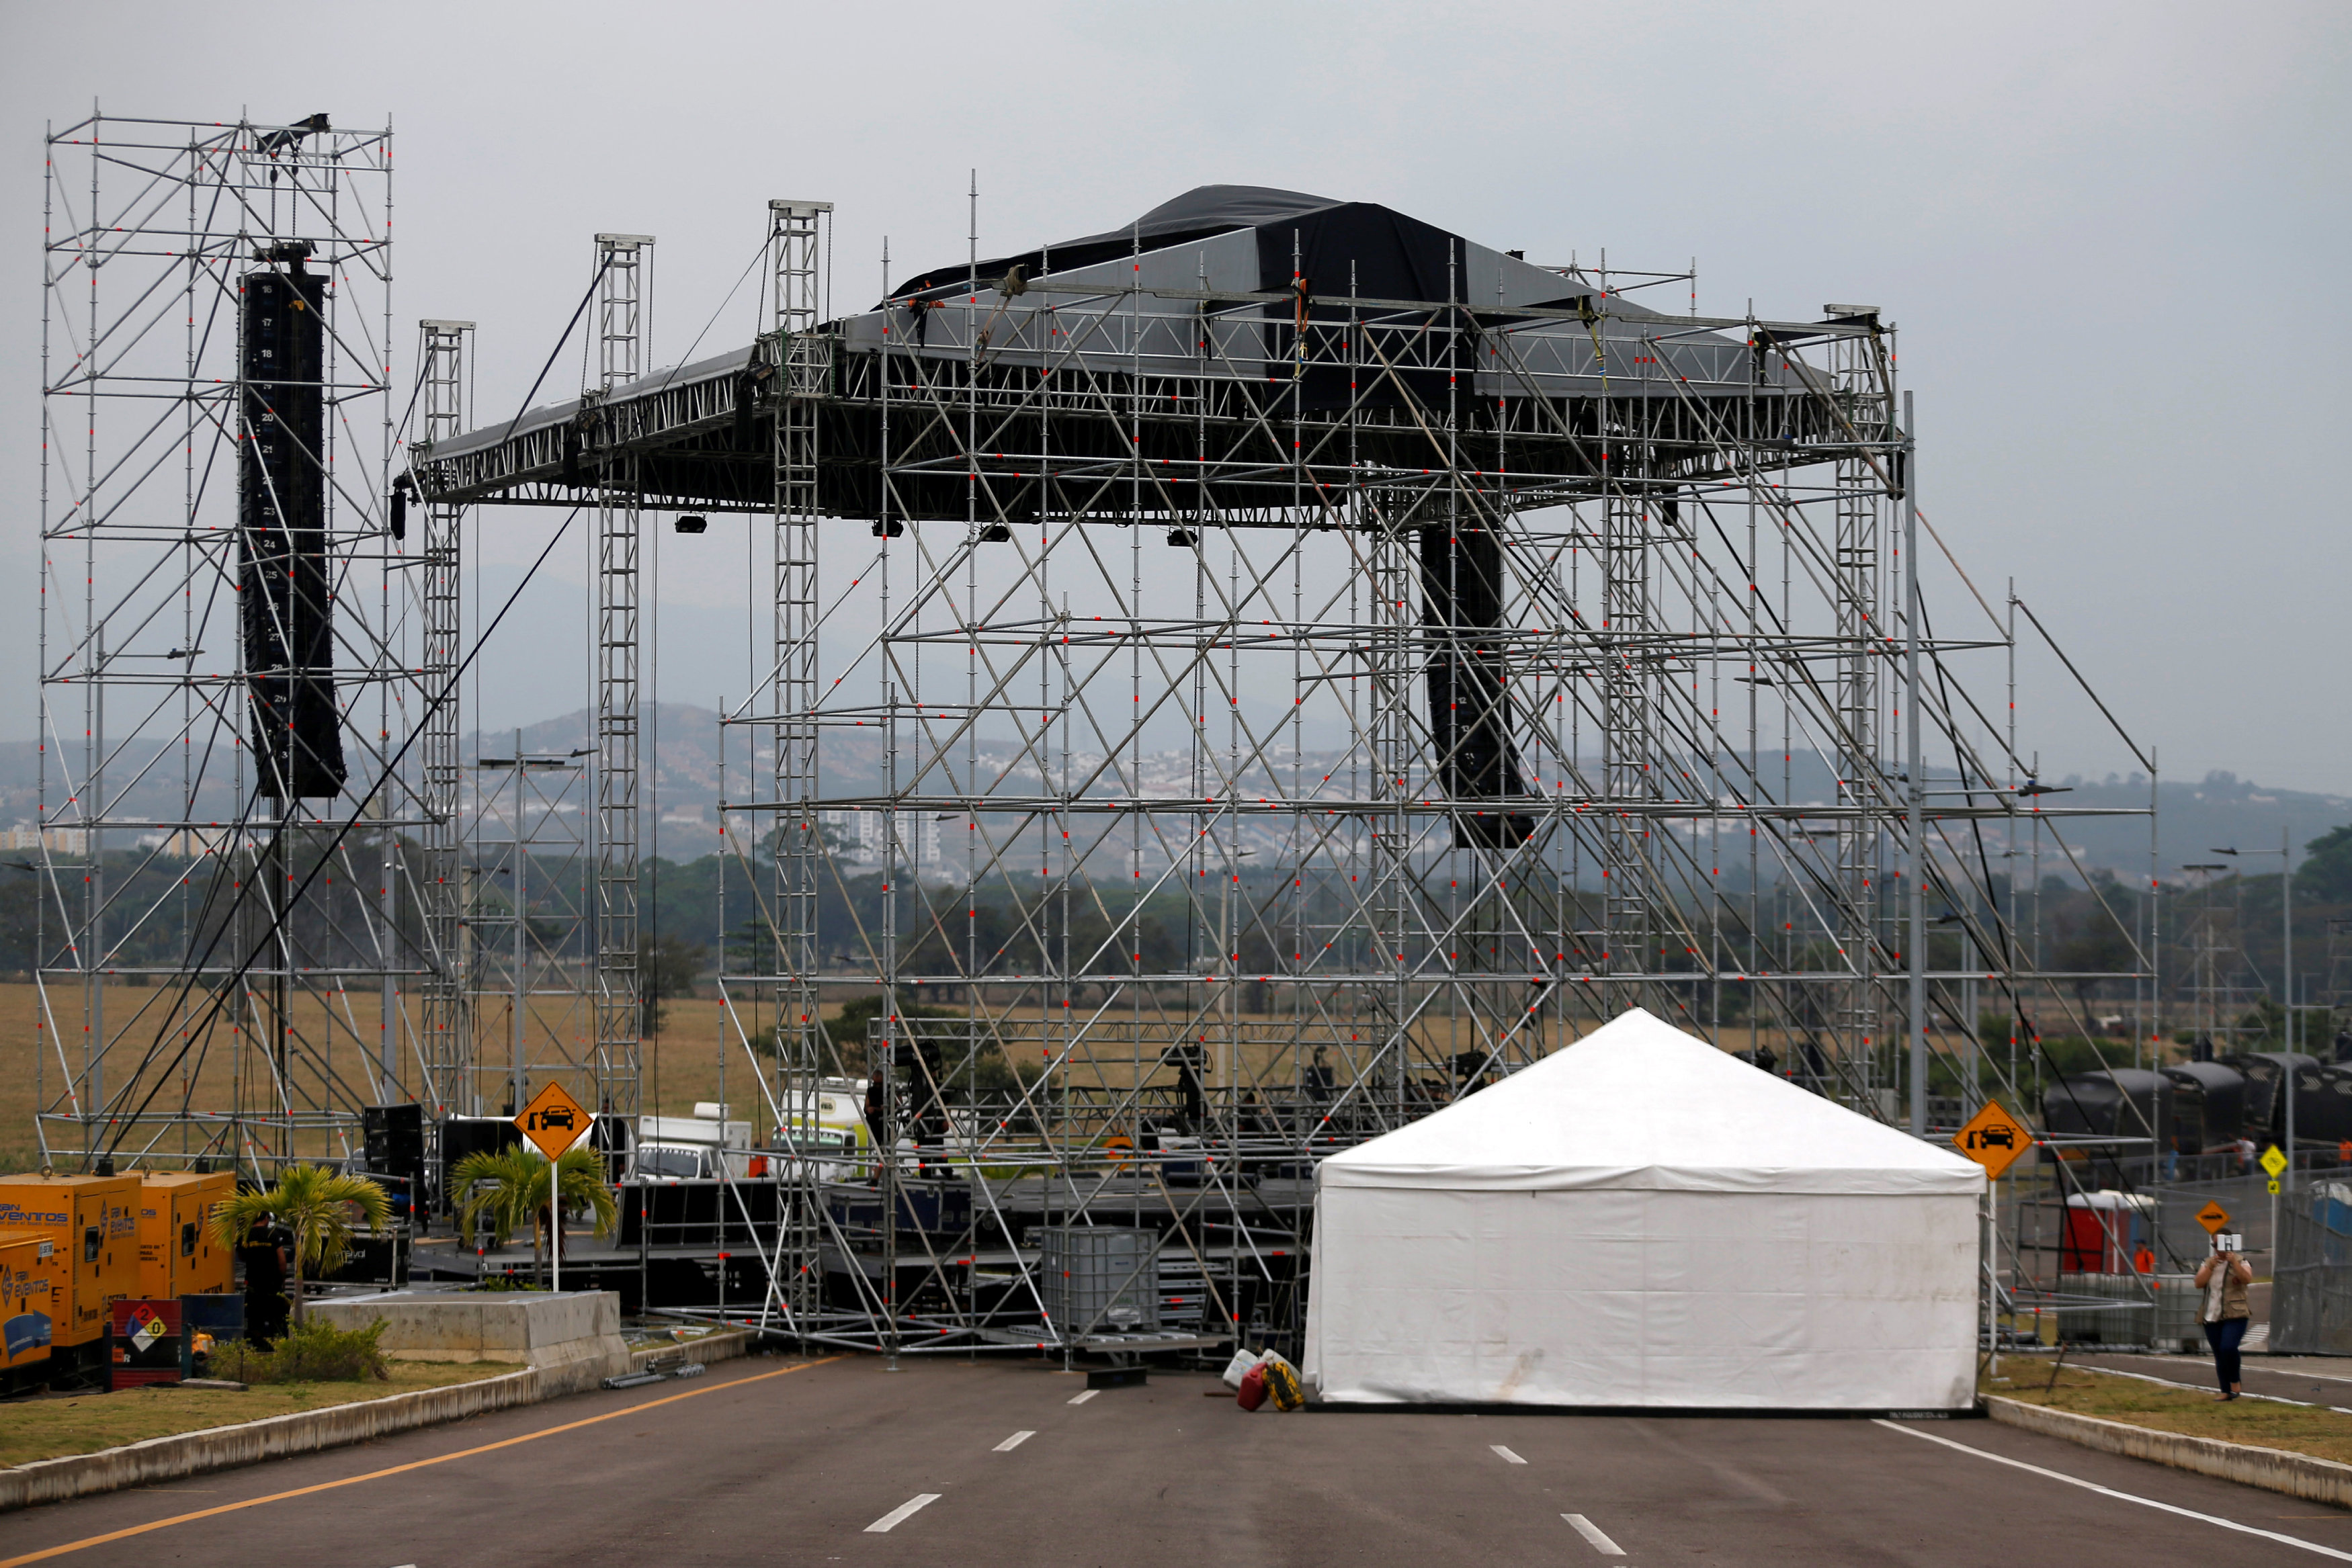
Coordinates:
(1253, 1392)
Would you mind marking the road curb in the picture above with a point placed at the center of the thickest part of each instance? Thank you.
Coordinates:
(2273, 1470)
(271, 1437)
(309, 1431)
(725, 1345)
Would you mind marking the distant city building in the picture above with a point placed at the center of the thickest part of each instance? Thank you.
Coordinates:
(863, 838)
(27, 838)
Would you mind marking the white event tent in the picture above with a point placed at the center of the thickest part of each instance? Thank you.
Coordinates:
(1639, 1219)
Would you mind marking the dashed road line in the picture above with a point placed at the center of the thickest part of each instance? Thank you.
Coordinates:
(902, 1513)
(1508, 1458)
(2121, 1495)
(1012, 1442)
(1591, 1534)
(1090, 1393)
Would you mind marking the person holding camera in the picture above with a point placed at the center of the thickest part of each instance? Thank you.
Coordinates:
(2225, 1314)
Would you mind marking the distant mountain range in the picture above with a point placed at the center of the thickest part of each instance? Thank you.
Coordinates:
(681, 790)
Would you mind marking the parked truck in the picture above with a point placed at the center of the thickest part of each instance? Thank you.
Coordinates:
(690, 1148)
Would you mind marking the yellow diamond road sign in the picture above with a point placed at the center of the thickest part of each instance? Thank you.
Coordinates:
(2272, 1161)
(2214, 1218)
(1993, 1138)
(553, 1121)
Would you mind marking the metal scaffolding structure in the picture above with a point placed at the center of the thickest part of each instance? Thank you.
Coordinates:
(446, 1049)
(226, 672)
(621, 264)
(276, 887)
(1352, 662)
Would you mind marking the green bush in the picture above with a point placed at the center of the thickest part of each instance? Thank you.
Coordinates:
(311, 1352)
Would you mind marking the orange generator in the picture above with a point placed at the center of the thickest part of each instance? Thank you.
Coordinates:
(177, 1254)
(94, 1221)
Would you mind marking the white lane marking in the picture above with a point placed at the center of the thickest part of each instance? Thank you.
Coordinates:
(1508, 1458)
(903, 1512)
(2121, 1495)
(2283, 1366)
(1090, 1393)
(1012, 1442)
(1591, 1533)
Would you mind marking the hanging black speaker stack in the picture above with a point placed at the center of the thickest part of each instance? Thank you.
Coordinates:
(285, 606)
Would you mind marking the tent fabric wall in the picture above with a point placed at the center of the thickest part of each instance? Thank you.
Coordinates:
(1641, 1220)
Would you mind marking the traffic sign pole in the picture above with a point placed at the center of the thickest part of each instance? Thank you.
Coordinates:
(553, 1121)
(2274, 1165)
(1992, 1278)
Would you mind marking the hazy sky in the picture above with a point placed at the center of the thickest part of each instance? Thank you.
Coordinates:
(2111, 236)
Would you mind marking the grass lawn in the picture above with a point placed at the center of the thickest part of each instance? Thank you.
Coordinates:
(2321, 1433)
(48, 1425)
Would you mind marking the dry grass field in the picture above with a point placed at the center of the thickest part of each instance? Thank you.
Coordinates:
(697, 1055)
(684, 1064)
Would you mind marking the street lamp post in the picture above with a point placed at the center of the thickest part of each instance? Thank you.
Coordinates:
(2286, 977)
(518, 1044)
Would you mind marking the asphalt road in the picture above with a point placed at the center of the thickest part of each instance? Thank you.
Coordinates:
(760, 1463)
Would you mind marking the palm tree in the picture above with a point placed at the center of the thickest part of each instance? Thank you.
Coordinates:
(510, 1187)
(497, 1182)
(316, 1203)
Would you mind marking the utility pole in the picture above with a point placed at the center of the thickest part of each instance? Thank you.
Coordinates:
(1916, 1007)
(2287, 987)
(2286, 980)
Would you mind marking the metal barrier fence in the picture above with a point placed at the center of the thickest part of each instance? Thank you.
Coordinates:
(2311, 1296)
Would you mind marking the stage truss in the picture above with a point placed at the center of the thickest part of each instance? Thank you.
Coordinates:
(1255, 768)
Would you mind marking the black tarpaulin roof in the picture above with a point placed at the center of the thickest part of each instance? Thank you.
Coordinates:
(1199, 212)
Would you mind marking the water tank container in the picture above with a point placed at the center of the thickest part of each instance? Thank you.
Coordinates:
(2217, 1096)
(2114, 1103)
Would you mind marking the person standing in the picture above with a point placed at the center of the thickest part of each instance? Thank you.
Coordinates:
(265, 1259)
(2225, 1314)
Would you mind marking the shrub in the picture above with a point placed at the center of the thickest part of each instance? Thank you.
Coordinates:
(311, 1352)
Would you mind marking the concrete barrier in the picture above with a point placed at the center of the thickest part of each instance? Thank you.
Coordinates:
(573, 1338)
(2273, 1470)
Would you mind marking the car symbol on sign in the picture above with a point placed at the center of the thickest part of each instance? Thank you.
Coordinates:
(558, 1116)
(1996, 1137)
